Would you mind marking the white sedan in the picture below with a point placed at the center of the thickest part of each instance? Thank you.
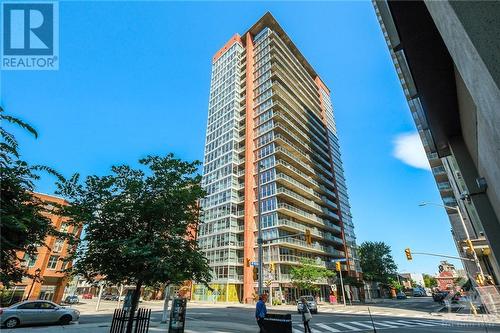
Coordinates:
(37, 312)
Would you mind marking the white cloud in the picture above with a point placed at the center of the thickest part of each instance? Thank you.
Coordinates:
(408, 148)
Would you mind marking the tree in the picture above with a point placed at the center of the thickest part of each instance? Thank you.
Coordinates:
(430, 281)
(23, 222)
(392, 283)
(307, 275)
(376, 261)
(138, 224)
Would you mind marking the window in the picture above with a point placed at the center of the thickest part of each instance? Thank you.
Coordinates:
(64, 227)
(52, 262)
(29, 261)
(28, 306)
(47, 306)
(58, 245)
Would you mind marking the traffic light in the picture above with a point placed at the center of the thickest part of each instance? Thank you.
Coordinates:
(255, 273)
(337, 266)
(308, 237)
(271, 266)
(470, 246)
(408, 253)
(248, 262)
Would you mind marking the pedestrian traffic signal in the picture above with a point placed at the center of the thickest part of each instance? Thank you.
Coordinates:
(271, 267)
(308, 237)
(255, 273)
(337, 266)
(408, 253)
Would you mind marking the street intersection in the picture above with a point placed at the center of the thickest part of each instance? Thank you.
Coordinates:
(416, 314)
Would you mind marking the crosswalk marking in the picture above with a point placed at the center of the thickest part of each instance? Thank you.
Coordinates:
(421, 323)
(328, 328)
(296, 330)
(361, 324)
(398, 322)
(349, 327)
(377, 323)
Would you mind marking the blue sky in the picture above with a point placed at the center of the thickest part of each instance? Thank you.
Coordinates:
(134, 79)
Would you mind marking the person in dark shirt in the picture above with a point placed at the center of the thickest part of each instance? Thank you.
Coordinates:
(261, 312)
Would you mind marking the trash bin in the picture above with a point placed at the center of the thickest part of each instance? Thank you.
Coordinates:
(278, 323)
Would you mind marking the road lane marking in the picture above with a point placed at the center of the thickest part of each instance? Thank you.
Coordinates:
(384, 324)
(328, 328)
(349, 327)
(421, 323)
(361, 324)
(398, 322)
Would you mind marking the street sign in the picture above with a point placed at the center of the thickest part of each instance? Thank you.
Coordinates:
(254, 264)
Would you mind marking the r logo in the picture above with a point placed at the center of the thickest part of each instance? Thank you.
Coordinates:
(30, 34)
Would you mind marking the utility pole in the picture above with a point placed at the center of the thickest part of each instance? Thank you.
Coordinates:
(259, 236)
(342, 286)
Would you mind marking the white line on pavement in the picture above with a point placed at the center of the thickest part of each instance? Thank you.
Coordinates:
(361, 324)
(349, 327)
(328, 328)
(378, 323)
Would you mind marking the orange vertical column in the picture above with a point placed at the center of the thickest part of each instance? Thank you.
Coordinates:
(249, 235)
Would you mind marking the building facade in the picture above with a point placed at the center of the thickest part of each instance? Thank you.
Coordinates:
(269, 107)
(444, 54)
(48, 264)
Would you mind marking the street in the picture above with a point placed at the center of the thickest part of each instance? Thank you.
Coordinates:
(388, 315)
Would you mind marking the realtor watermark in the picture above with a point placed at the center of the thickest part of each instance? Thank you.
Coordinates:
(30, 35)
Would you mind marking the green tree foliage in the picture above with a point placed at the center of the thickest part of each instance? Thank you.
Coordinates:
(376, 261)
(307, 275)
(137, 224)
(430, 281)
(394, 284)
(23, 224)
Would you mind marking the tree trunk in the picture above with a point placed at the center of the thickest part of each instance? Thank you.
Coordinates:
(133, 308)
(164, 317)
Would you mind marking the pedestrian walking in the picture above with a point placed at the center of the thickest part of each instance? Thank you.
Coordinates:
(261, 312)
(306, 315)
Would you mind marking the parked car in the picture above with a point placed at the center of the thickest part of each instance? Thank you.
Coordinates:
(439, 296)
(400, 295)
(87, 296)
(311, 302)
(71, 299)
(418, 292)
(110, 297)
(37, 312)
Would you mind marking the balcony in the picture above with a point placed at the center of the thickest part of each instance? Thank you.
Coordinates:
(300, 199)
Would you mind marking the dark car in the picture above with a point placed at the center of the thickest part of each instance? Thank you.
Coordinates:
(439, 296)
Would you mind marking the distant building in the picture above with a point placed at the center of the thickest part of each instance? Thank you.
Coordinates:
(446, 57)
(48, 261)
(407, 278)
(448, 276)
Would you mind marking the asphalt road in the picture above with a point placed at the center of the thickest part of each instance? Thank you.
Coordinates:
(322, 322)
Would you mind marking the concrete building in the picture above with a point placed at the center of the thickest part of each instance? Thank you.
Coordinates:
(48, 261)
(268, 106)
(446, 57)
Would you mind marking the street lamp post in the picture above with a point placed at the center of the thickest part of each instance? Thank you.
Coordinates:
(467, 236)
(36, 278)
